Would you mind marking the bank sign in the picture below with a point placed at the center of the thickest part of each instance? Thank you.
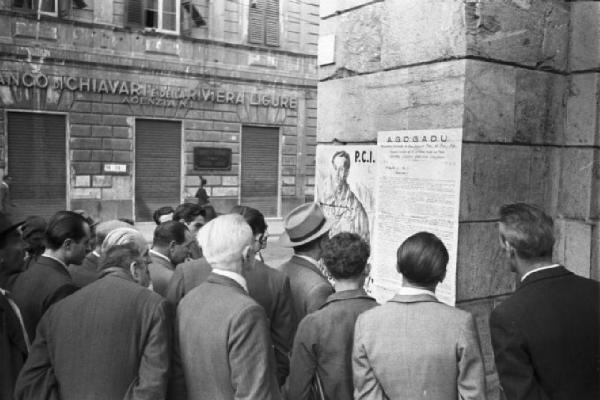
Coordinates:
(144, 93)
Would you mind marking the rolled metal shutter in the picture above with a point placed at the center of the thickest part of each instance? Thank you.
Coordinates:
(37, 162)
(157, 166)
(260, 169)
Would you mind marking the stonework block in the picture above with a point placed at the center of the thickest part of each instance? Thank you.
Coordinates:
(582, 109)
(86, 167)
(288, 191)
(102, 181)
(481, 310)
(595, 272)
(117, 144)
(81, 130)
(493, 175)
(531, 32)
(122, 156)
(198, 125)
(101, 155)
(356, 108)
(355, 41)
(585, 35)
(102, 108)
(83, 118)
(226, 126)
(81, 155)
(86, 143)
(482, 270)
(230, 181)
(121, 132)
(162, 46)
(595, 189)
(574, 246)
(82, 181)
(114, 120)
(30, 29)
(102, 131)
(288, 180)
(425, 30)
(575, 192)
(81, 106)
(122, 189)
(85, 193)
(212, 180)
(225, 192)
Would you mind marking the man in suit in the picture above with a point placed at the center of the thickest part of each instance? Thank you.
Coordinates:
(170, 246)
(414, 347)
(323, 348)
(223, 334)
(89, 270)
(306, 229)
(48, 280)
(268, 287)
(546, 335)
(14, 344)
(110, 340)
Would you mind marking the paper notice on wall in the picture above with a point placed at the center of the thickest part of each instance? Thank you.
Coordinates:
(345, 182)
(417, 189)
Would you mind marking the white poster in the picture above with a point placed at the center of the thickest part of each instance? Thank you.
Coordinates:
(345, 182)
(417, 189)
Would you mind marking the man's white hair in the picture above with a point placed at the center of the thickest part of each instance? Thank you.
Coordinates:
(224, 238)
(121, 236)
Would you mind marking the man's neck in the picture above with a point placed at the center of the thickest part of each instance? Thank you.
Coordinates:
(160, 250)
(525, 266)
(314, 254)
(347, 284)
(409, 284)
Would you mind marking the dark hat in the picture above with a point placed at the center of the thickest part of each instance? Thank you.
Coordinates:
(6, 225)
(304, 224)
(32, 225)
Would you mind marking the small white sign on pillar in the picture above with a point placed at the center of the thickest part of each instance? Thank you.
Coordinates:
(326, 53)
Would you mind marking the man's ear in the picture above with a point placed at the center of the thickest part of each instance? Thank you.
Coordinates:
(133, 269)
(247, 253)
(68, 243)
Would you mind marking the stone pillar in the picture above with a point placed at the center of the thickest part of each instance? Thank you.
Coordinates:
(517, 77)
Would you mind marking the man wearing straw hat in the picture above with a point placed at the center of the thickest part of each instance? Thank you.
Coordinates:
(305, 230)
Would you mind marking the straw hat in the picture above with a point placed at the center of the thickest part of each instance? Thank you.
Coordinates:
(304, 224)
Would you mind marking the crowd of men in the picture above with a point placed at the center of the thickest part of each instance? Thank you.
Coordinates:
(90, 311)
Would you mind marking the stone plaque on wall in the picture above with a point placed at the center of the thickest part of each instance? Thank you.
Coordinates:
(211, 158)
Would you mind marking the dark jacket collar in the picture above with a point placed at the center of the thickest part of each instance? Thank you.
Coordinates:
(347, 295)
(52, 263)
(224, 281)
(415, 298)
(542, 275)
(307, 264)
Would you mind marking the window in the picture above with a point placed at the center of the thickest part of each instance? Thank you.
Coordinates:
(162, 15)
(47, 7)
(263, 22)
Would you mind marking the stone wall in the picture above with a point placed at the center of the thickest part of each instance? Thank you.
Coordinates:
(518, 77)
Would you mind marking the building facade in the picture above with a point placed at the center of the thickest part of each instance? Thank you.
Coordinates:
(118, 107)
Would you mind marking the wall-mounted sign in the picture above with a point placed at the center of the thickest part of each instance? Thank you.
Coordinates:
(146, 93)
(115, 169)
(210, 158)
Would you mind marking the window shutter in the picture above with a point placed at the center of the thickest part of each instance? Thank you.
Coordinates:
(256, 22)
(135, 13)
(64, 8)
(272, 23)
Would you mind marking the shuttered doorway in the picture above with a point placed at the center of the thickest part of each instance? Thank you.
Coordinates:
(157, 166)
(260, 169)
(37, 162)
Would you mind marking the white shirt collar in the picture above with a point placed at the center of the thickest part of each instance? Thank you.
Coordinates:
(56, 259)
(94, 252)
(309, 259)
(232, 275)
(411, 291)
(5, 184)
(538, 269)
(157, 254)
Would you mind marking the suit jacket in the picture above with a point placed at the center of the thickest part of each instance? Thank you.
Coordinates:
(546, 338)
(110, 340)
(44, 283)
(267, 286)
(415, 347)
(224, 344)
(323, 345)
(13, 348)
(161, 271)
(87, 272)
(310, 289)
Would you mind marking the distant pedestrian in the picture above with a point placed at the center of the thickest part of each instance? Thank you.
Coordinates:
(546, 336)
(323, 344)
(170, 246)
(223, 334)
(201, 194)
(110, 340)
(48, 280)
(306, 229)
(6, 204)
(413, 346)
(12, 252)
